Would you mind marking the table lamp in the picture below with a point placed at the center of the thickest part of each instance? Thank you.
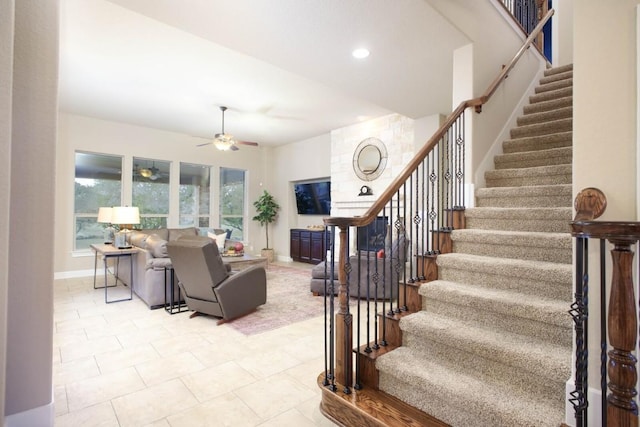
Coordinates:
(125, 217)
(104, 217)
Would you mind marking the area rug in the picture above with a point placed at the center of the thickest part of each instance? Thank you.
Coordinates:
(289, 300)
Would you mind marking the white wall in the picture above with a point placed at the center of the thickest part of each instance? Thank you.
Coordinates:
(28, 106)
(562, 29)
(100, 136)
(605, 120)
(305, 160)
(6, 89)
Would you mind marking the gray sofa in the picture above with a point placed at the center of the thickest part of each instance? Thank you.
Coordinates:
(366, 267)
(150, 262)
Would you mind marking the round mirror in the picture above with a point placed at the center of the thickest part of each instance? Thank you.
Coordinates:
(370, 159)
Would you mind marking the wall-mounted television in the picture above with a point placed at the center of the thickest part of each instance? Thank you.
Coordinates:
(313, 198)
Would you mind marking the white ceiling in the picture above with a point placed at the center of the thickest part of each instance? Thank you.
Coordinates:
(283, 67)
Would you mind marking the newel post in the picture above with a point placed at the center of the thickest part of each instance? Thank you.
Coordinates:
(344, 319)
(622, 324)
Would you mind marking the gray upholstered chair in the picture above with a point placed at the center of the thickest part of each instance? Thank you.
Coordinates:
(207, 285)
(368, 268)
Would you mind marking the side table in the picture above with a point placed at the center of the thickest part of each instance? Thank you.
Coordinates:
(110, 251)
(172, 306)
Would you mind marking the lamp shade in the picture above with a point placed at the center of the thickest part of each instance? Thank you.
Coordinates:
(125, 215)
(104, 215)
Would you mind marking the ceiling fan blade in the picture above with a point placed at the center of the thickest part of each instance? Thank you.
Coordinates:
(234, 148)
(254, 144)
(206, 143)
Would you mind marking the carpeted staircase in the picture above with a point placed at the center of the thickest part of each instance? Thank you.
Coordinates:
(492, 344)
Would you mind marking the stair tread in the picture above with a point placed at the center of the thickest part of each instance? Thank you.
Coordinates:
(539, 141)
(549, 105)
(552, 94)
(542, 155)
(520, 213)
(543, 358)
(527, 190)
(519, 267)
(557, 76)
(532, 246)
(501, 301)
(558, 70)
(534, 170)
(465, 391)
(554, 84)
(544, 128)
(536, 117)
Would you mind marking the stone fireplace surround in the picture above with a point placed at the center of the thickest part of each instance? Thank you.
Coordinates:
(397, 133)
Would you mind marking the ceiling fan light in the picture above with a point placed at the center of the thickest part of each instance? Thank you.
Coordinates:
(224, 141)
(146, 173)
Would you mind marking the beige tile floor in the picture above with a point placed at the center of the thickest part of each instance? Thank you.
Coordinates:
(123, 365)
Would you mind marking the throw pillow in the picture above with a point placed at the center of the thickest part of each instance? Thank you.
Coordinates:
(157, 246)
(219, 239)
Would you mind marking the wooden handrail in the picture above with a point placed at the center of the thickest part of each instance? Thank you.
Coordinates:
(477, 103)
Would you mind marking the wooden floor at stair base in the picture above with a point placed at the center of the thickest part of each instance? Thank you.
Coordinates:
(371, 408)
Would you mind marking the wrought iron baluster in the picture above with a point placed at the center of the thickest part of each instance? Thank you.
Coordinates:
(580, 314)
(433, 178)
(603, 331)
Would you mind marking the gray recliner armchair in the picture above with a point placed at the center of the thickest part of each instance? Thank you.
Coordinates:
(207, 285)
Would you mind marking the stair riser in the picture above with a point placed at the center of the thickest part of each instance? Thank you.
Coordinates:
(545, 142)
(548, 96)
(561, 125)
(543, 117)
(541, 331)
(554, 85)
(484, 369)
(509, 163)
(541, 107)
(528, 180)
(523, 202)
(527, 253)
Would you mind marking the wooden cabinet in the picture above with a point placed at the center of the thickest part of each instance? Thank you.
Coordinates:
(308, 245)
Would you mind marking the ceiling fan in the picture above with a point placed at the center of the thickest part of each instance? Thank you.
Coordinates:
(225, 141)
(152, 173)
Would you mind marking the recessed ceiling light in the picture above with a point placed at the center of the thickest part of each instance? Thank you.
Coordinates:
(360, 53)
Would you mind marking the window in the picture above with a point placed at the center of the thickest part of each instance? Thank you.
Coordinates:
(98, 182)
(195, 190)
(151, 191)
(232, 195)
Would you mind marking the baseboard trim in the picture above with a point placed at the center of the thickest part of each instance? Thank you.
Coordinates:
(72, 274)
(40, 416)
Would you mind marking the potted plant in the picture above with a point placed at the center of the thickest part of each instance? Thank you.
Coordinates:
(267, 209)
